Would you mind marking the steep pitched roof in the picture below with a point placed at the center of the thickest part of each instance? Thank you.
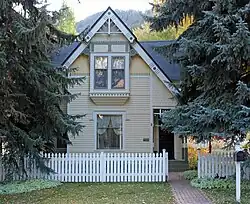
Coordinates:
(144, 52)
(172, 70)
(62, 54)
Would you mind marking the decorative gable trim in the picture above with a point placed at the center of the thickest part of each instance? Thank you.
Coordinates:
(109, 14)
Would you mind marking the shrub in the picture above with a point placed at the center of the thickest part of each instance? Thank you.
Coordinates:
(190, 174)
(218, 184)
(193, 156)
(27, 186)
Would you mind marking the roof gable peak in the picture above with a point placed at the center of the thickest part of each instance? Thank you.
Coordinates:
(109, 16)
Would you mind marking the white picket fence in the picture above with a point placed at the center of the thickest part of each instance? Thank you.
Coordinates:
(218, 164)
(105, 167)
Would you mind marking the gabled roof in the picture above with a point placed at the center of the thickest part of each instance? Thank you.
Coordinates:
(157, 63)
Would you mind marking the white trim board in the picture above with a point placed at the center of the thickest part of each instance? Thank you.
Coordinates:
(109, 14)
(75, 54)
(154, 68)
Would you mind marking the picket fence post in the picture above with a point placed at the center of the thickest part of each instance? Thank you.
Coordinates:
(166, 165)
(199, 164)
(165, 173)
(102, 166)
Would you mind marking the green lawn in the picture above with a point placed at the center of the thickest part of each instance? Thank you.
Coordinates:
(115, 193)
(227, 196)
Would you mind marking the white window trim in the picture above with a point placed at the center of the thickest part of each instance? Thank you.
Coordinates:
(123, 114)
(92, 73)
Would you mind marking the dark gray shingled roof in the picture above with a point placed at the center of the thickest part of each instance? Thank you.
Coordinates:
(171, 70)
(59, 57)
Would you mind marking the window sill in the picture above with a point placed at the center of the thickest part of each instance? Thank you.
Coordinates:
(110, 150)
(109, 98)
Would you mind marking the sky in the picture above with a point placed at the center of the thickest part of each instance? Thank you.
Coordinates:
(88, 7)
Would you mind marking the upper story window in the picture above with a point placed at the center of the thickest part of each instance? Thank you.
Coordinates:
(101, 72)
(110, 72)
(118, 72)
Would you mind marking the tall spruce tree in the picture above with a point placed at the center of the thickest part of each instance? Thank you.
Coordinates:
(214, 54)
(31, 88)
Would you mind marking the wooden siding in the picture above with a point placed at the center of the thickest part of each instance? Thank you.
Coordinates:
(137, 109)
(138, 66)
(137, 123)
(161, 96)
(82, 65)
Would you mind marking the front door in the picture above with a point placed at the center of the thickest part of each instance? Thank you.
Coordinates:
(166, 141)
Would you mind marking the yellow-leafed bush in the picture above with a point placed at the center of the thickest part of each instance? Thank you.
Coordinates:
(193, 156)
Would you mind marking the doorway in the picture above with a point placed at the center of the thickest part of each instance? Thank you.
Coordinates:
(166, 141)
(163, 139)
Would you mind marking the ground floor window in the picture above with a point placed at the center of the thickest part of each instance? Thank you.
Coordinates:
(109, 131)
(61, 145)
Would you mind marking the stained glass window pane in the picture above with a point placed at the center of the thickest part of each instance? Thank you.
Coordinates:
(101, 72)
(101, 79)
(118, 73)
(118, 62)
(101, 62)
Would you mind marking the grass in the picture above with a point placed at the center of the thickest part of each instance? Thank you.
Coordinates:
(27, 186)
(219, 196)
(99, 193)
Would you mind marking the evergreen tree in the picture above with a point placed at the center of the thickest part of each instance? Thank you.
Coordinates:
(214, 54)
(31, 88)
(66, 21)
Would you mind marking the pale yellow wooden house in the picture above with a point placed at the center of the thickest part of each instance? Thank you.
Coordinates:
(127, 87)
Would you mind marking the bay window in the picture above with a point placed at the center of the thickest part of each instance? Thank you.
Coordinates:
(109, 72)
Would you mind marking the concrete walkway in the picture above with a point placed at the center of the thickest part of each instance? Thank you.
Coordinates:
(184, 193)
